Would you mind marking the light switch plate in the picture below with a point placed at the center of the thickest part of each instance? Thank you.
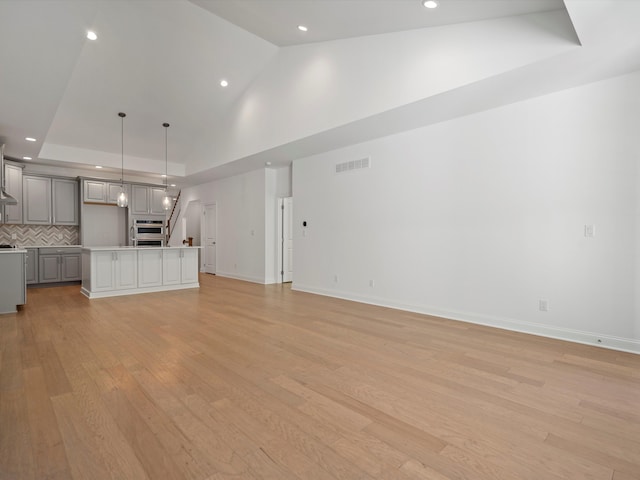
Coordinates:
(589, 231)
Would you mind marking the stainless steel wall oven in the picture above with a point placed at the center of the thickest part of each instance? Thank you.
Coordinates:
(147, 232)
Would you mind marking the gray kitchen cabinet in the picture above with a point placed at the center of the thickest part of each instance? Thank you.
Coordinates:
(13, 186)
(94, 191)
(32, 266)
(48, 268)
(146, 200)
(99, 191)
(49, 201)
(113, 190)
(157, 195)
(36, 200)
(71, 267)
(140, 204)
(13, 288)
(65, 201)
(59, 265)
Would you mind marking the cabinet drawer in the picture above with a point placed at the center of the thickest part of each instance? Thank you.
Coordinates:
(60, 250)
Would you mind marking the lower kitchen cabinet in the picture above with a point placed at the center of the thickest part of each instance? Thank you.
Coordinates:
(58, 265)
(149, 268)
(114, 270)
(108, 272)
(179, 266)
(32, 266)
(13, 290)
(190, 266)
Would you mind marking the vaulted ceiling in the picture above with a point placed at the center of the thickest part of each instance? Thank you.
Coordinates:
(363, 69)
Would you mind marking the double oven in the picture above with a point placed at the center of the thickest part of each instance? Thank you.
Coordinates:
(147, 232)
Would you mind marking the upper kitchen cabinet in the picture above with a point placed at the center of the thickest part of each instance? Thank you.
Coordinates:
(147, 200)
(36, 200)
(98, 191)
(65, 201)
(13, 186)
(49, 201)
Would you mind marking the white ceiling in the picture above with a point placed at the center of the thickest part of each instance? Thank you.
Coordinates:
(162, 61)
(275, 20)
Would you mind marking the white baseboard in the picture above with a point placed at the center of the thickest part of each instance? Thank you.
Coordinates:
(630, 345)
(246, 278)
(136, 291)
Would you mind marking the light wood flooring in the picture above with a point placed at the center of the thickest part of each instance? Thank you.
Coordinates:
(244, 381)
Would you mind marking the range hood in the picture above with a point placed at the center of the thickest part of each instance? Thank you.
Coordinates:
(5, 198)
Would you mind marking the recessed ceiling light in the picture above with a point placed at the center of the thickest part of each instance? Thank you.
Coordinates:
(172, 185)
(27, 158)
(302, 28)
(224, 83)
(92, 35)
(98, 166)
(30, 139)
(430, 4)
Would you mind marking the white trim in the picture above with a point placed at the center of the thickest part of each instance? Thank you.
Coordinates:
(279, 240)
(203, 237)
(246, 278)
(629, 345)
(135, 291)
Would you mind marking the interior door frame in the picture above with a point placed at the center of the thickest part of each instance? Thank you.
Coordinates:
(279, 240)
(203, 235)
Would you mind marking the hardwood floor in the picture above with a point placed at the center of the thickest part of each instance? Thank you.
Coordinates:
(244, 381)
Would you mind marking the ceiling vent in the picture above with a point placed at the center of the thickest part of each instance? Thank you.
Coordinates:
(352, 165)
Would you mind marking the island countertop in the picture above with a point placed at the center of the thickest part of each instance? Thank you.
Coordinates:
(110, 249)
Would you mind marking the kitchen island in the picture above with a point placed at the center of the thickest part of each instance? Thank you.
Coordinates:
(113, 271)
(13, 286)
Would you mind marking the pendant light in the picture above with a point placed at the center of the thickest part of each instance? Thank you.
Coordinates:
(166, 201)
(122, 201)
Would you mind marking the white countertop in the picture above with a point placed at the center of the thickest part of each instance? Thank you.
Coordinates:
(12, 250)
(49, 246)
(99, 249)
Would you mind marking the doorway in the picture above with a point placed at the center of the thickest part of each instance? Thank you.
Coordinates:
(209, 220)
(285, 243)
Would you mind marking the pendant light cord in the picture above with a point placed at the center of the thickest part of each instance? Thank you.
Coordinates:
(122, 115)
(166, 162)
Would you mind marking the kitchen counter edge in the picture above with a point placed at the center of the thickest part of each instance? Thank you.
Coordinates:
(98, 249)
(12, 250)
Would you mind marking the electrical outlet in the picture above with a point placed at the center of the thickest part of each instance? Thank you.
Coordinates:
(372, 283)
(14, 236)
(543, 305)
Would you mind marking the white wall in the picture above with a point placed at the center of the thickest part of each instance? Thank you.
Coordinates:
(241, 222)
(103, 226)
(312, 88)
(481, 217)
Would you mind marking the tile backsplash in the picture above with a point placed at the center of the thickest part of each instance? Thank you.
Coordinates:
(39, 235)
